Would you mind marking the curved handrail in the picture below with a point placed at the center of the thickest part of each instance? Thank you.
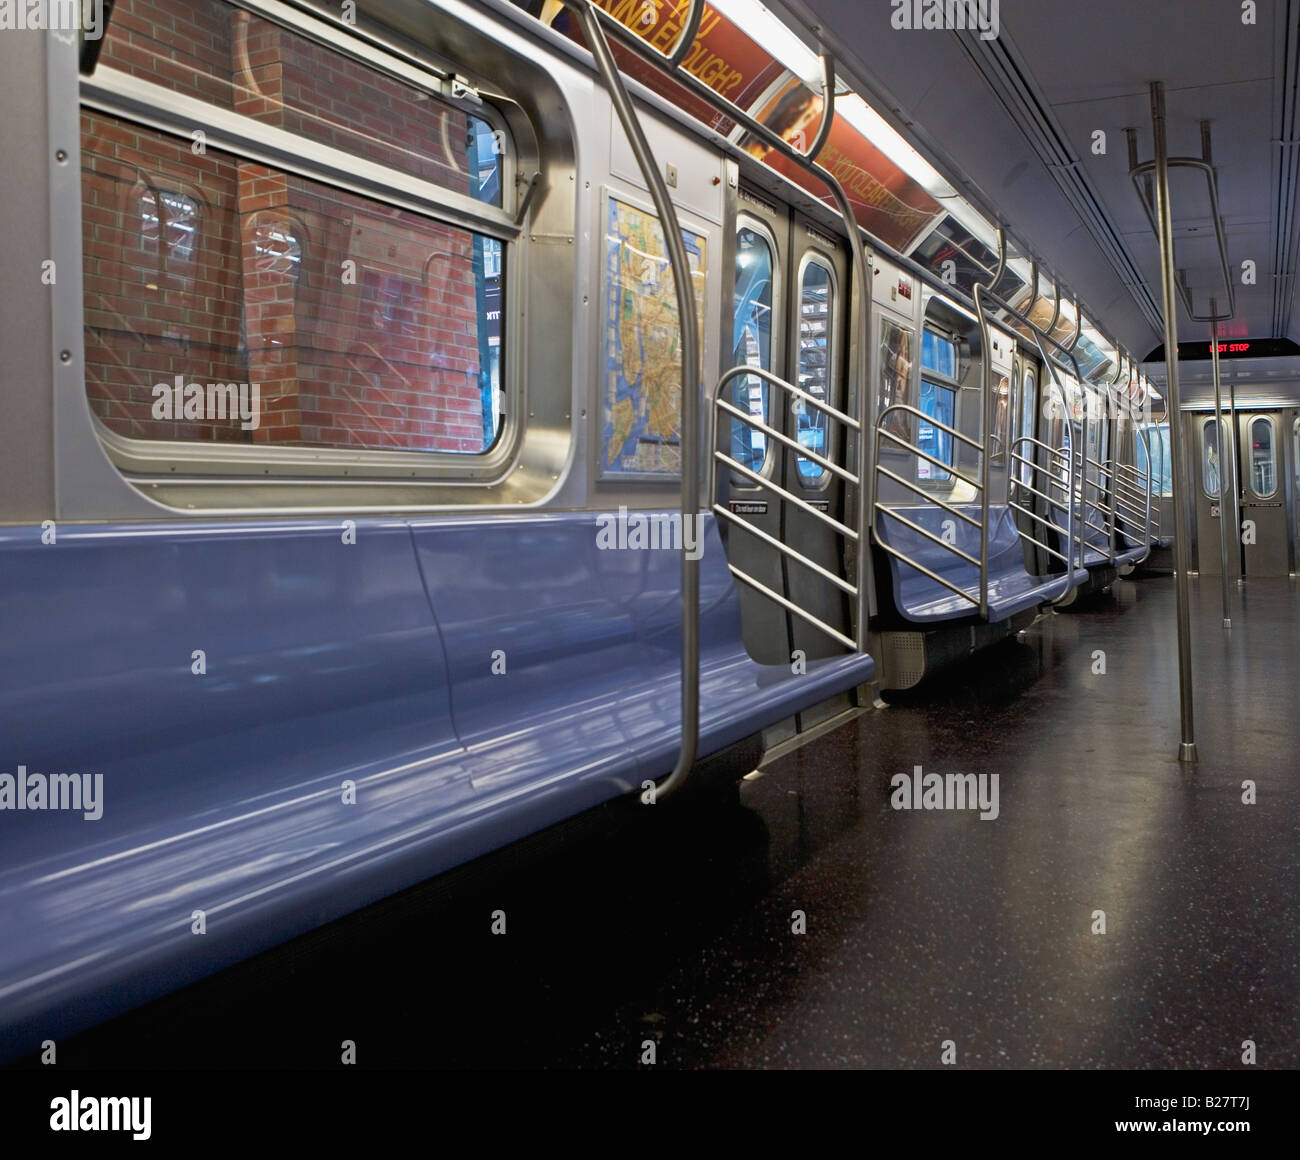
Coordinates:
(1070, 524)
(684, 289)
(850, 535)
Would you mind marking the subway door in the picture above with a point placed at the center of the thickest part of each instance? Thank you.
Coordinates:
(759, 340)
(1265, 515)
(1211, 444)
(1291, 426)
(816, 362)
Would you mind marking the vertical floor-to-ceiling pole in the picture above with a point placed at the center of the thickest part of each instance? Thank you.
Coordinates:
(1234, 461)
(1187, 748)
(1224, 534)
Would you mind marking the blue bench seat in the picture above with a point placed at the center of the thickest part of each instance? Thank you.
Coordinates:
(369, 663)
(1096, 546)
(1011, 588)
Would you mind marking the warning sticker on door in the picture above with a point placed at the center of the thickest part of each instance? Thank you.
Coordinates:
(748, 507)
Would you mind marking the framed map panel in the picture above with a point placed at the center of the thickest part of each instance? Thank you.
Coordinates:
(641, 387)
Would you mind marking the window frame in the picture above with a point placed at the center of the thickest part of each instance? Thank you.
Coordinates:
(117, 94)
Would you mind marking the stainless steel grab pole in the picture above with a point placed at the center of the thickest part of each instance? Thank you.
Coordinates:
(1168, 285)
(686, 316)
(1223, 463)
(1234, 462)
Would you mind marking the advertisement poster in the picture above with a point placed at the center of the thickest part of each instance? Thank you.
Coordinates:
(887, 203)
(722, 56)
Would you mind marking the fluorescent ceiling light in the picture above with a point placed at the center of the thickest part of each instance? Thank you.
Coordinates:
(762, 27)
(884, 137)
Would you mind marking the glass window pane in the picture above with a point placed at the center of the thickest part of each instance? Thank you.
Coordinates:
(939, 354)
(1001, 416)
(938, 403)
(1028, 409)
(230, 302)
(1263, 465)
(895, 375)
(1096, 435)
(228, 57)
(1164, 460)
(815, 322)
(752, 309)
(1161, 475)
(1210, 457)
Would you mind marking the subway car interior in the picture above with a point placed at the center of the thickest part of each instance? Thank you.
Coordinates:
(650, 535)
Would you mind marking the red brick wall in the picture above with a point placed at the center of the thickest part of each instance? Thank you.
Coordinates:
(390, 361)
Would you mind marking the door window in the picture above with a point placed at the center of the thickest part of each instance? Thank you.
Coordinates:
(1001, 417)
(1211, 456)
(1162, 482)
(1263, 461)
(816, 304)
(1028, 409)
(753, 344)
(938, 401)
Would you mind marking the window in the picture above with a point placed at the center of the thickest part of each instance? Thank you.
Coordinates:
(753, 344)
(939, 354)
(276, 245)
(1001, 416)
(938, 402)
(895, 375)
(1263, 463)
(168, 231)
(1096, 434)
(1211, 457)
(272, 307)
(235, 61)
(816, 295)
(1028, 410)
(1162, 472)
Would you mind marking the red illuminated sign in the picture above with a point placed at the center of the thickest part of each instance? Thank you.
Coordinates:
(1241, 348)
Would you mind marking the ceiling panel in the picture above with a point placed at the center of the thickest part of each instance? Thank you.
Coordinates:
(1089, 66)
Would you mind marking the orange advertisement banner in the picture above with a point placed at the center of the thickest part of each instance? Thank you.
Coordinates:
(887, 202)
(722, 56)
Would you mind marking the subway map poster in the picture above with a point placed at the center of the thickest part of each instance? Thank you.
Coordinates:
(641, 432)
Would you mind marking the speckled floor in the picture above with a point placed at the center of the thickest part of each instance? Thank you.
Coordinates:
(923, 928)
